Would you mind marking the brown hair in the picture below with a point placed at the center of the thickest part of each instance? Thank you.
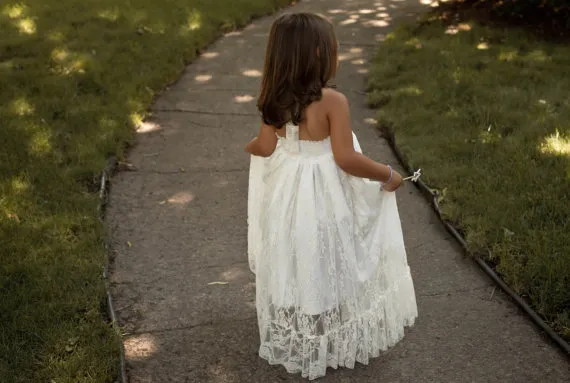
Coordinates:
(301, 59)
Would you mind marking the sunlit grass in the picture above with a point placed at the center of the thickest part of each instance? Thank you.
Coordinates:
(484, 113)
(556, 145)
(76, 78)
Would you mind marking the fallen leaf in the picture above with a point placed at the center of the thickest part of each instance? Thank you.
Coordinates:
(162, 202)
(129, 244)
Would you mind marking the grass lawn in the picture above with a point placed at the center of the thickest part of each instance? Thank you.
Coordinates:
(75, 76)
(485, 113)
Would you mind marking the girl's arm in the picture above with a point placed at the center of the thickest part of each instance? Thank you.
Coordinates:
(348, 159)
(264, 144)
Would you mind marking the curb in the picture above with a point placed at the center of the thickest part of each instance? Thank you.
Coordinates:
(432, 198)
(103, 194)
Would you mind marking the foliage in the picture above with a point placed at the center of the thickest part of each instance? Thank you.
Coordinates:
(484, 112)
(75, 76)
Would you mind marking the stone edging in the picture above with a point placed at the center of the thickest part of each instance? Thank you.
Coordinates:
(103, 194)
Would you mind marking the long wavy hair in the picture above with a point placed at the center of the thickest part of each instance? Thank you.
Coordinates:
(300, 60)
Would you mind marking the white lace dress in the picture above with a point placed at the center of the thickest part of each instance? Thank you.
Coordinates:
(333, 286)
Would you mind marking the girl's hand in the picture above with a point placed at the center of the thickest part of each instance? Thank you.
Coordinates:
(394, 184)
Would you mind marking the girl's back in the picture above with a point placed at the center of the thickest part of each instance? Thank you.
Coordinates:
(315, 126)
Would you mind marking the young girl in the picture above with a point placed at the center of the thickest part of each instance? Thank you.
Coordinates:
(325, 240)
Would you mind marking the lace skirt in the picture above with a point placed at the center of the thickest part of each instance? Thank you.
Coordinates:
(333, 286)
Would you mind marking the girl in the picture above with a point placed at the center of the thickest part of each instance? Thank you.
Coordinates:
(333, 286)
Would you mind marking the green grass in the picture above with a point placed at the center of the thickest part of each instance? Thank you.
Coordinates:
(485, 113)
(75, 76)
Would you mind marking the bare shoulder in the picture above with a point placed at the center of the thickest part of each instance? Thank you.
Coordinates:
(333, 99)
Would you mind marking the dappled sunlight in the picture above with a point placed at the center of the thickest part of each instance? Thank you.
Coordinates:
(59, 55)
(147, 127)
(19, 185)
(455, 29)
(376, 23)
(136, 120)
(336, 11)
(140, 347)
(363, 71)
(415, 42)
(556, 144)
(181, 198)
(358, 62)
(109, 14)
(483, 46)
(252, 73)
(233, 33)
(348, 22)
(40, 143)
(69, 62)
(452, 30)
(193, 23)
(371, 121)
(22, 107)
(210, 55)
(411, 90)
(17, 12)
(202, 78)
(14, 11)
(353, 54)
(366, 11)
(27, 26)
(243, 98)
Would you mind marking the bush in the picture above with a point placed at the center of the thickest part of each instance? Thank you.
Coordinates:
(552, 11)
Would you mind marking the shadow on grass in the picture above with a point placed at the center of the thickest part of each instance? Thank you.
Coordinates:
(484, 112)
(76, 77)
(548, 19)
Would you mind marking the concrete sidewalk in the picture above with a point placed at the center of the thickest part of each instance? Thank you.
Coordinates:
(179, 223)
